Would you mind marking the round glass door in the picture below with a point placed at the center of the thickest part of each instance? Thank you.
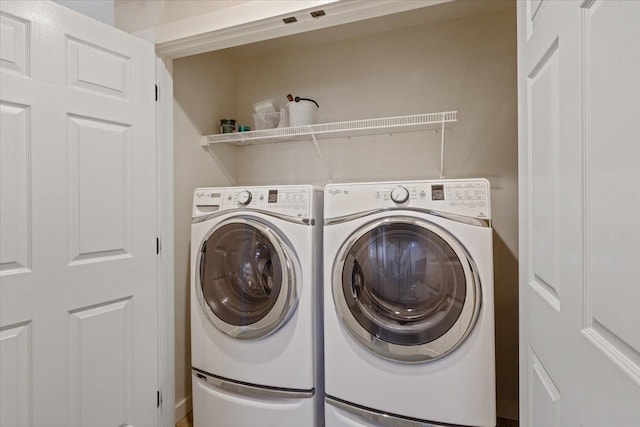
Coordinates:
(246, 279)
(406, 289)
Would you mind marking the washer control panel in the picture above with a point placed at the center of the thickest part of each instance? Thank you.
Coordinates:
(294, 201)
(461, 197)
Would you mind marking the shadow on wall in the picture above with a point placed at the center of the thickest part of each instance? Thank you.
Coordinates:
(185, 328)
(506, 318)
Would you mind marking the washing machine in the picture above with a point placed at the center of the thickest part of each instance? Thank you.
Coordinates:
(409, 308)
(256, 312)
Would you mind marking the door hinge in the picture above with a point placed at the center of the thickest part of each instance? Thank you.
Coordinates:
(156, 92)
(159, 397)
(157, 245)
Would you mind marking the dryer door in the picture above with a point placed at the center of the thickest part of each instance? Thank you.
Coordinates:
(246, 282)
(406, 289)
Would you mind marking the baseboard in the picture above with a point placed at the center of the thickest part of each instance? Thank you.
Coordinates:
(183, 408)
(507, 409)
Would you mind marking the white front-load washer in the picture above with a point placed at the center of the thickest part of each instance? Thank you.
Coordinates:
(256, 312)
(408, 297)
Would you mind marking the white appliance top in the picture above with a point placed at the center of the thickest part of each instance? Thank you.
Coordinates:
(464, 197)
(285, 200)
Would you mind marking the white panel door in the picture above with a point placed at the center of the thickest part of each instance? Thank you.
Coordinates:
(78, 264)
(579, 95)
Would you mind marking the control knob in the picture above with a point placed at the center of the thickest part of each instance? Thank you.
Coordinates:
(244, 197)
(399, 195)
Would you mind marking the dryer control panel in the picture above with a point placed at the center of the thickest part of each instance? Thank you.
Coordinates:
(291, 201)
(470, 197)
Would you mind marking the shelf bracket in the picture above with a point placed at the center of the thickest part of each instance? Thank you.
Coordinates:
(221, 165)
(324, 164)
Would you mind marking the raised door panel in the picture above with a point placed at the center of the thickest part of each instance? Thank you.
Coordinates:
(98, 69)
(15, 190)
(14, 44)
(612, 205)
(542, 89)
(99, 189)
(532, 9)
(15, 372)
(543, 395)
(101, 364)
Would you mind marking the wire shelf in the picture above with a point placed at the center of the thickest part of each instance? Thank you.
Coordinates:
(411, 123)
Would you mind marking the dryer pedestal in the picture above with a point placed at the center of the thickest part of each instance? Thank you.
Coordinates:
(215, 406)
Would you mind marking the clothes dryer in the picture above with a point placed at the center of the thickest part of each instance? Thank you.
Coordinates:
(256, 325)
(409, 317)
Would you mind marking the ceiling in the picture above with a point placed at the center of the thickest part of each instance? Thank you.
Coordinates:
(441, 12)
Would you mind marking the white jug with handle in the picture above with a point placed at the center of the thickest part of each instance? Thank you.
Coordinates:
(302, 112)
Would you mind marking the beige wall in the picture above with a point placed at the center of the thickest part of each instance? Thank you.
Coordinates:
(468, 64)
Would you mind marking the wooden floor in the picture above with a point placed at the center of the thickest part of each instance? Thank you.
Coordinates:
(503, 422)
(188, 422)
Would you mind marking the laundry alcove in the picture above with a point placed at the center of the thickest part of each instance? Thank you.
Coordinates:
(456, 56)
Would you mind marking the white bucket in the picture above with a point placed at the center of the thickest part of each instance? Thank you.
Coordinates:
(302, 113)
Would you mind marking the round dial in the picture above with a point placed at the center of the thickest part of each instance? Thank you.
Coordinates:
(244, 197)
(399, 194)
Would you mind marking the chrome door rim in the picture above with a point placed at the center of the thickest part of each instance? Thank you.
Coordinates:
(429, 351)
(287, 300)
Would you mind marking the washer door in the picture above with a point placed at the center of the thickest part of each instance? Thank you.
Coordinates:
(246, 282)
(406, 289)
